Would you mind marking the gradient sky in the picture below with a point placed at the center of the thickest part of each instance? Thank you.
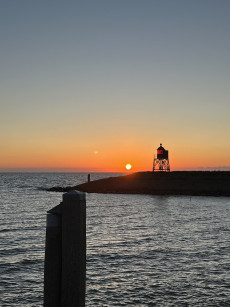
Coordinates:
(92, 85)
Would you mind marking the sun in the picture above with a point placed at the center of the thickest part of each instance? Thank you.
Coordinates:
(128, 166)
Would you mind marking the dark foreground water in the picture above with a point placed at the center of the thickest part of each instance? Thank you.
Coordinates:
(141, 250)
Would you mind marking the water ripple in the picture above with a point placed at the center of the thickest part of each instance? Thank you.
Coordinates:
(141, 250)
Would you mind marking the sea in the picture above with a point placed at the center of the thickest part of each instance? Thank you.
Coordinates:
(142, 250)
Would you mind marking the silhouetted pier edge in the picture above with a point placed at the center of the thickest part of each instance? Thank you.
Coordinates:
(196, 183)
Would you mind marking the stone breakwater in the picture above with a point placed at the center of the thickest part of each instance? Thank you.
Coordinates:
(214, 183)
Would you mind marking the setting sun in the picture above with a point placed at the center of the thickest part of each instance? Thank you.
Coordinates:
(128, 166)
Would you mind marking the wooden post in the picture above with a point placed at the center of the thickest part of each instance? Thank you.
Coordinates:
(73, 249)
(65, 256)
(88, 177)
(52, 274)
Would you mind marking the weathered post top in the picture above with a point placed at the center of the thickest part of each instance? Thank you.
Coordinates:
(73, 195)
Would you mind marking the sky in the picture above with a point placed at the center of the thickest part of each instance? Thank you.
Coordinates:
(92, 85)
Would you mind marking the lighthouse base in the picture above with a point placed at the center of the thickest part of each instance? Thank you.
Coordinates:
(161, 165)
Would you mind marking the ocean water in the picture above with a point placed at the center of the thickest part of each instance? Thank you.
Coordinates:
(141, 250)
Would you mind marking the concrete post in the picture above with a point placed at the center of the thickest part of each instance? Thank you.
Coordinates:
(65, 256)
(52, 273)
(73, 249)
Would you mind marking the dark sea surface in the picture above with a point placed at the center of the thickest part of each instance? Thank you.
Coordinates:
(141, 250)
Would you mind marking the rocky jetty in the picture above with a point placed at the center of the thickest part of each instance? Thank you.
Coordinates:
(200, 183)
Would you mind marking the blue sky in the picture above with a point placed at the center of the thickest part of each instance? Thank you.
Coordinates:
(112, 75)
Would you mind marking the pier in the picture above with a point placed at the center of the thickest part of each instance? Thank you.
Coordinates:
(196, 183)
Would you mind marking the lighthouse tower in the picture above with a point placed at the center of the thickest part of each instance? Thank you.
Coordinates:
(161, 162)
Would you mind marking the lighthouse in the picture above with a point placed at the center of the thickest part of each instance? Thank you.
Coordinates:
(161, 162)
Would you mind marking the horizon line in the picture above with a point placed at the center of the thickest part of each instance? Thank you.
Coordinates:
(99, 170)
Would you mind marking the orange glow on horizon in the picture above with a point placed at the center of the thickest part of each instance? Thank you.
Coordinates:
(108, 157)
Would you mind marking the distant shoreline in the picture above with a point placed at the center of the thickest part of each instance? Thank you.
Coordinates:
(193, 183)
